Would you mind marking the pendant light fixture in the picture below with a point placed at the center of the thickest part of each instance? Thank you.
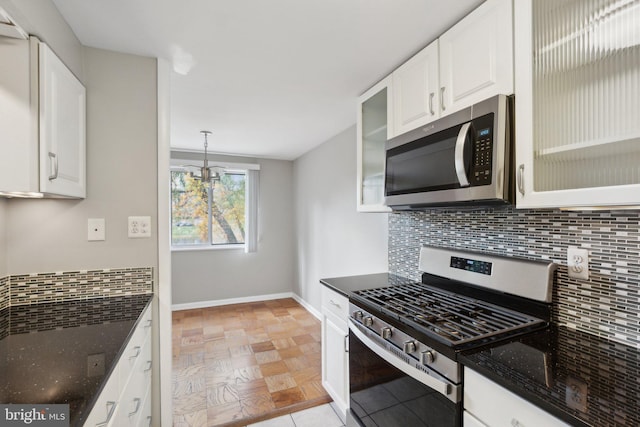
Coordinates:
(207, 174)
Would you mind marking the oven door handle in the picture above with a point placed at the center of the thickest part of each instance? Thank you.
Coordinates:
(461, 142)
(436, 384)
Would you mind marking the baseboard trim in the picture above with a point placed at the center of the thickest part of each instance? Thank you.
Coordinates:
(215, 303)
(308, 306)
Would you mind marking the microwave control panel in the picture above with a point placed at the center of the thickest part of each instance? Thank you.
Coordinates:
(482, 155)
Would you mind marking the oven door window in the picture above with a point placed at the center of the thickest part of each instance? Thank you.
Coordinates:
(382, 395)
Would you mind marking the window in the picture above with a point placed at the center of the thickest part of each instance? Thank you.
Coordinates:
(222, 215)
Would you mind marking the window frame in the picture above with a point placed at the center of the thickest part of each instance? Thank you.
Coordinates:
(251, 208)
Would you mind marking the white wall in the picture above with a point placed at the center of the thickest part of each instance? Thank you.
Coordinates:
(333, 238)
(51, 235)
(208, 275)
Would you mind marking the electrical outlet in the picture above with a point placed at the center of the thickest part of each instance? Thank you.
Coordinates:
(576, 394)
(95, 229)
(95, 365)
(139, 227)
(578, 262)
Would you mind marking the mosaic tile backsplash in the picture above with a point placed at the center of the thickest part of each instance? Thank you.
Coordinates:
(4, 293)
(608, 304)
(74, 285)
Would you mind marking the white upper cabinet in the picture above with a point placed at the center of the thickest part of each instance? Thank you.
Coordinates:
(42, 117)
(577, 80)
(62, 128)
(373, 129)
(476, 57)
(469, 63)
(416, 91)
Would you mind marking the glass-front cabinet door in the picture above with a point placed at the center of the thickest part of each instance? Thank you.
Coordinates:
(577, 70)
(373, 130)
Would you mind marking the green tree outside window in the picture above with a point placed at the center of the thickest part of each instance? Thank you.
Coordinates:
(205, 215)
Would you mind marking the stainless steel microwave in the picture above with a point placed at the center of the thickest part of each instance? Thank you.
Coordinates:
(461, 159)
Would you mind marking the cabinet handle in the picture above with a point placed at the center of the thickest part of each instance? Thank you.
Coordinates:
(442, 98)
(148, 368)
(520, 178)
(137, 400)
(346, 343)
(111, 408)
(148, 323)
(516, 423)
(149, 419)
(54, 166)
(136, 349)
(332, 302)
(431, 95)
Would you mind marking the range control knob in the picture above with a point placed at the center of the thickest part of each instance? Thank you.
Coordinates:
(409, 346)
(386, 332)
(427, 357)
(357, 315)
(368, 321)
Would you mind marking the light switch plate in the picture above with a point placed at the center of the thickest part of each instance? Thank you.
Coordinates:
(139, 227)
(95, 229)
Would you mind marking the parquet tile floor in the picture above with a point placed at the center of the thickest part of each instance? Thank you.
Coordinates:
(238, 364)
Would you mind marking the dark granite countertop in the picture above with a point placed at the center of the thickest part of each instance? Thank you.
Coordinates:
(555, 368)
(349, 284)
(44, 349)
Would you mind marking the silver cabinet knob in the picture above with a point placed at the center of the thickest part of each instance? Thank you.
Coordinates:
(427, 357)
(368, 321)
(386, 332)
(409, 346)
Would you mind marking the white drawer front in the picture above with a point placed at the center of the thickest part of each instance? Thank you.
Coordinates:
(495, 406)
(125, 399)
(469, 420)
(335, 303)
(133, 353)
(106, 405)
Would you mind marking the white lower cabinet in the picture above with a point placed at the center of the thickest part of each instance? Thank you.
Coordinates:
(335, 356)
(487, 404)
(126, 398)
(469, 420)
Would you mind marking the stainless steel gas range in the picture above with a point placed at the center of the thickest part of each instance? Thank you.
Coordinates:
(404, 340)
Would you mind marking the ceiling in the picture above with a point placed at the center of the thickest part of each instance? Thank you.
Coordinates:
(269, 78)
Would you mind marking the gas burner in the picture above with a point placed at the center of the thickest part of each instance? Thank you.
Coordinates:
(453, 318)
(446, 330)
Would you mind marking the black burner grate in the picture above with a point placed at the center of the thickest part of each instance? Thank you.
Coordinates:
(452, 318)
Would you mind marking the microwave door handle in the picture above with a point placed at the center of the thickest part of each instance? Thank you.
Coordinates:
(459, 155)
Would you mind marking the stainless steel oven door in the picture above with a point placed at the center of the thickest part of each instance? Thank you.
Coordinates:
(388, 388)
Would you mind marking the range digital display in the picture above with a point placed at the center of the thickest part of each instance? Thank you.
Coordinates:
(475, 266)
